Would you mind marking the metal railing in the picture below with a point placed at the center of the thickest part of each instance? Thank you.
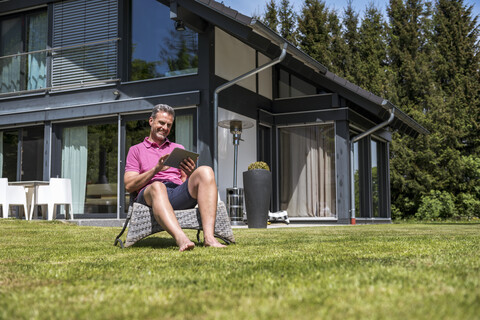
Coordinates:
(53, 53)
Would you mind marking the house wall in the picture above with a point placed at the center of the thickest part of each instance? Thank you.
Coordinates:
(233, 58)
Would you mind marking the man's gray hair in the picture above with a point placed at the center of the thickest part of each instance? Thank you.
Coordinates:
(162, 108)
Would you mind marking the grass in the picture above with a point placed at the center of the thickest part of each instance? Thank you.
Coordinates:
(52, 270)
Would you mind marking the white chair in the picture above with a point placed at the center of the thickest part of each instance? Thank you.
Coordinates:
(12, 195)
(59, 191)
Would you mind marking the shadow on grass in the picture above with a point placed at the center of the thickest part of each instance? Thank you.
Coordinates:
(155, 242)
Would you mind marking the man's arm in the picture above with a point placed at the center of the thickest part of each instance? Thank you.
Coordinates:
(134, 181)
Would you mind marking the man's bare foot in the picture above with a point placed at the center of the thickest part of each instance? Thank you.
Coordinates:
(213, 243)
(187, 245)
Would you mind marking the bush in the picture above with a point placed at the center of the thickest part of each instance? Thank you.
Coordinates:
(469, 205)
(259, 165)
(437, 205)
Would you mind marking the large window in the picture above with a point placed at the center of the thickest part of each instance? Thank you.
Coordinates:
(90, 160)
(22, 55)
(307, 171)
(370, 167)
(21, 153)
(290, 85)
(157, 48)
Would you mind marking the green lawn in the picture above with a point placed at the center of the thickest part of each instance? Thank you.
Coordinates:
(52, 270)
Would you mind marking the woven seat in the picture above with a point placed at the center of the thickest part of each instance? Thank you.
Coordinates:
(141, 223)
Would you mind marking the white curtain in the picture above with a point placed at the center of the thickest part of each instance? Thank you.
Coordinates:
(184, 130)
(308, 171)
(37, 40)
(74, 163)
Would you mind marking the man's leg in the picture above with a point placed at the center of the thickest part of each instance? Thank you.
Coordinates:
(155, 196)
(202, 186)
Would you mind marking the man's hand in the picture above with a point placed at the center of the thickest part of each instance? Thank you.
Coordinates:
(159, 166)
(188, 166)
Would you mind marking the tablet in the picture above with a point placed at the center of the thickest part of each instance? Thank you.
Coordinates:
(177, 155)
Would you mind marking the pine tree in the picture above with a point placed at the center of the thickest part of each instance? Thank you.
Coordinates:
(457, 73)
(338, 48)
(351, 40)
(371, 66)
(435, 65)
(287, 18)
(413, 170)
(270, 18)
(313, 28)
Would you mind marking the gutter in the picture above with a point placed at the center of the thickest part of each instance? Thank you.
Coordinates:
(352, 142)
(229, 84)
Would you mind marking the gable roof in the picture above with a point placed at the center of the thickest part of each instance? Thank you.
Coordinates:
(250, 29)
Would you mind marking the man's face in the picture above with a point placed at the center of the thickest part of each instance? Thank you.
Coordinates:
(160, 126)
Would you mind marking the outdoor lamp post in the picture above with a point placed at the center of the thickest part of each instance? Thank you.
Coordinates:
(235, 194)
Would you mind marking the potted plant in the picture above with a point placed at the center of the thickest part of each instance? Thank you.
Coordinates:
(257, 185)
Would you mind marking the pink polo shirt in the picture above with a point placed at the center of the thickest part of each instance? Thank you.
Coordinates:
(144, 156)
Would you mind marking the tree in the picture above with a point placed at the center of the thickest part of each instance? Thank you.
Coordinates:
(337, 47)
(270, 18)
(287, 18)
(351, 39)
(372, 56)
(313, 27)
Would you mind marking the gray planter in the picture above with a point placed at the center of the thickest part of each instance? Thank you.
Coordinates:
(257, 185)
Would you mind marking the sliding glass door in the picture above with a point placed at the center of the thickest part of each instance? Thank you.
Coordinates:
(307, 171)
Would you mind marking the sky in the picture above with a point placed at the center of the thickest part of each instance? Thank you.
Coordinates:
(250, 7)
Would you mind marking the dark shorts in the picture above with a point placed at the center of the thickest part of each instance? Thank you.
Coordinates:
(178, 196)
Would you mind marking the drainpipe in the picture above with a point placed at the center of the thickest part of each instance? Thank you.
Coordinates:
(352, 142)
(229, 84)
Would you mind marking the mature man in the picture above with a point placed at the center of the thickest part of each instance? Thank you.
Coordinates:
(166, 188)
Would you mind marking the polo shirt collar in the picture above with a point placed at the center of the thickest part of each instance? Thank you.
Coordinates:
(150, 144)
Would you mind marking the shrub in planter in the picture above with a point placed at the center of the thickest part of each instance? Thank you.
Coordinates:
(257, 185)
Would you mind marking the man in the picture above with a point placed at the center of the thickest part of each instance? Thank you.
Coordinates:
(166, 188)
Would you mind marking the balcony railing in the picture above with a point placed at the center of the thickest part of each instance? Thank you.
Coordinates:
(59, 68)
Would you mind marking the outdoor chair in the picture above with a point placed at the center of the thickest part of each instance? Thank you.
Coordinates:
(12, 195)
(59, 191)
(141, 223)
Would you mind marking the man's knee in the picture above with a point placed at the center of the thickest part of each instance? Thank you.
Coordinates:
(154, 191)
(206, 173)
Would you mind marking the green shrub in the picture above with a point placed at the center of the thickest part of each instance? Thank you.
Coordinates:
(436, 205)
(258, 165)
(469, 205)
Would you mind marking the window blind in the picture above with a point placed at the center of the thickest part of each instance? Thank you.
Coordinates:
(85, 42)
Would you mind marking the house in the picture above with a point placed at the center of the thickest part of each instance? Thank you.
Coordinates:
(78, 79)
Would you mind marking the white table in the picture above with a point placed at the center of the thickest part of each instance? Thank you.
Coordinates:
(31, 188)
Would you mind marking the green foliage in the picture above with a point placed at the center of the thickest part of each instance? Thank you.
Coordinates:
(270, 18)
(61, 271)
(142, 70)
(313, 29)
(469, 205)
(259, 165)
(437, 205)
(287, 18)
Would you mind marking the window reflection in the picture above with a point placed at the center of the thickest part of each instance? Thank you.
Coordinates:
(24, 33)
(375, 180)
(157, 49)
